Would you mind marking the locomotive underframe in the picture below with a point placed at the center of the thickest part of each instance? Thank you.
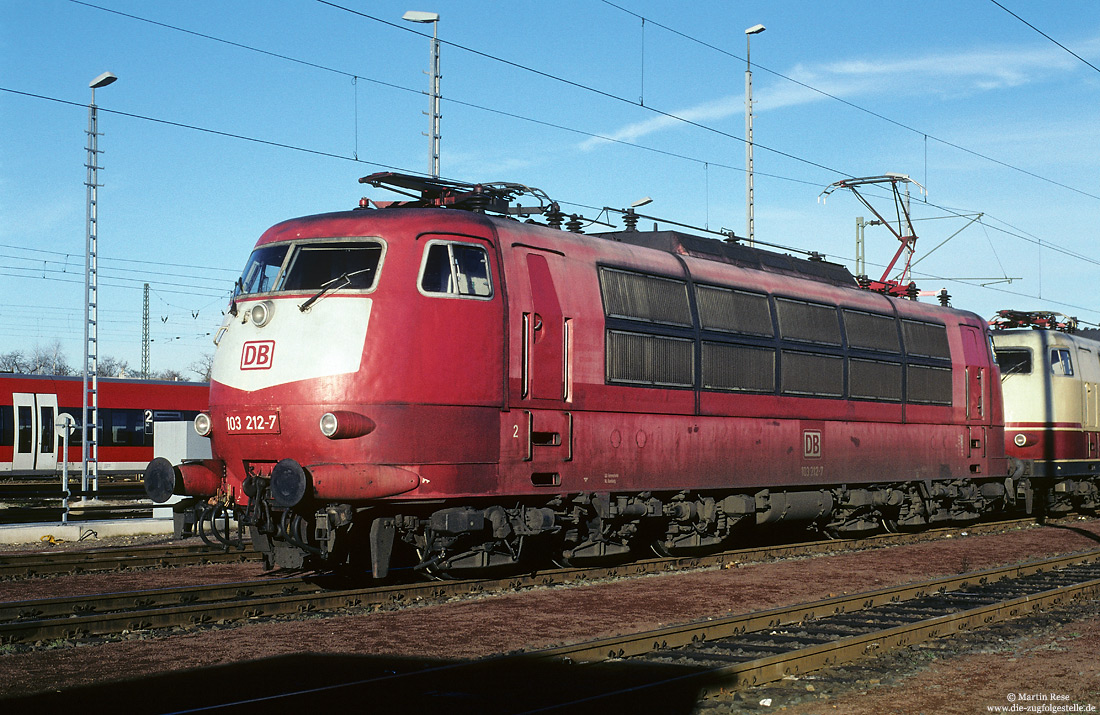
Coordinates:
(447, 537)
(1067, 485)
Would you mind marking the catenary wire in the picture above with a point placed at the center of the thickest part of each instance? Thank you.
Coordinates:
(870, 112)
(1047, 244)
(1045, 35)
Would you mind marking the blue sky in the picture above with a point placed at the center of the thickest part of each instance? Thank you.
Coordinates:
(208, 143)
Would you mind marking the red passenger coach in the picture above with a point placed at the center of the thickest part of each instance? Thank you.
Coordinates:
(432, 385)
(30, 405)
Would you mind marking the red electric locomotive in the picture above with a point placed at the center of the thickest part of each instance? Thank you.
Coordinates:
(424, 384)
(30, 406)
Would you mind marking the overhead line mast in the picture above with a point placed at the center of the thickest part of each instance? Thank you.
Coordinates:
(89, 455)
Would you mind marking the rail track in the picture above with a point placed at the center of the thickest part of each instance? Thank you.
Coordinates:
(188, 607)
(29, 499)
(52, 563)
(670, 669)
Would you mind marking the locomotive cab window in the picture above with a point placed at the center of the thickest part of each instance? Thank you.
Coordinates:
(1014, 361)
(332, 264)
(456, 269)
(1060, 363)
(262, 270)
(340, 264)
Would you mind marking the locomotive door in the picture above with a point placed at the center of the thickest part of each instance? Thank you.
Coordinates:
(976, 357)
(546, 361)
(545, 336)
(35, 440)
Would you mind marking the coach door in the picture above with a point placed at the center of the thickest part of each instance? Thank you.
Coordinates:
(35, 433)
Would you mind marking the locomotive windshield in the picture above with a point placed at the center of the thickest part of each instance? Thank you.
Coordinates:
(310, 266)
(1014, 361)
(262, 270)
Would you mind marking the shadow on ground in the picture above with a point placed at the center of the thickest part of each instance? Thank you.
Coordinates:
(314, 683)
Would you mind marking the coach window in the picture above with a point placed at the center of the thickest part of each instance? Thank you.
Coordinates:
(1060, 363)
(25, 429)
(7, 429)
(456, 269)
(46, 429)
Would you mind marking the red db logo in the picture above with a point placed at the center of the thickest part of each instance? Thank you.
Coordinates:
(811, 444)
(257, 355)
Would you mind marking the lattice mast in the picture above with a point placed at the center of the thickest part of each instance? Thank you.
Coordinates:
(145, 335)
(89, 451)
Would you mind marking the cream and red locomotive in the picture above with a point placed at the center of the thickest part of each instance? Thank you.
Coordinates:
(1050, 380)
(436, 383)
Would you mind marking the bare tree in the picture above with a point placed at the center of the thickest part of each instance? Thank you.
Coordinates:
(203, 366)
(48, 360)
(112, 367)
(14, 361)
(169, 374)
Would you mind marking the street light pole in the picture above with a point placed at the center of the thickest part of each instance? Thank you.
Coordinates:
(432, 17)
(89, 449)
(750, 228)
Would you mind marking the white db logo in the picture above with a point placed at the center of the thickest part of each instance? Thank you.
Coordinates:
(811, 444)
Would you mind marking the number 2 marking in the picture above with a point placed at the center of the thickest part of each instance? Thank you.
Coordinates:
(515, 432)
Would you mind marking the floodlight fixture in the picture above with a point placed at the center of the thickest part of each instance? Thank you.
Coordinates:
(102, 80)
(418, 16)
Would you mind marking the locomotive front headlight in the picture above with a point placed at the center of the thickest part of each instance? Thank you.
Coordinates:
(345, 424)
(1020, 440)
(329, 424)
(203, 425)
(261, 313)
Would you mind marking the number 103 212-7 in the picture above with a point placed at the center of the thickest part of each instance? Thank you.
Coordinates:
(252, 423)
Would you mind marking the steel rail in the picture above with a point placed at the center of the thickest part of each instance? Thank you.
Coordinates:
(105, 614)
(52, 563)
(682, 635)
(815, 656)
(49, 563)
(601, 676)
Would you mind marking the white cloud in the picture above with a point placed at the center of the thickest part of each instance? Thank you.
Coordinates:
(861, 80)
(708, 111)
